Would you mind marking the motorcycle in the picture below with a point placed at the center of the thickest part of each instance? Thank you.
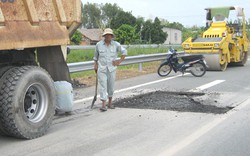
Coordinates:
(195, 64)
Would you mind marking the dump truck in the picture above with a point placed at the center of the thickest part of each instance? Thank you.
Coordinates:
(225, 40)
(33, 39)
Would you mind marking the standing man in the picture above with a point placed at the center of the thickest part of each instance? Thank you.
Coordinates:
(105, 65)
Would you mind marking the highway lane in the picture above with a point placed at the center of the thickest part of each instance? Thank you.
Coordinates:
(233, 90)
(126, 131)
(229, 137)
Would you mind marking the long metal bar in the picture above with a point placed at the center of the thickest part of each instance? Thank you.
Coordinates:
(77, 47)
(89, 65)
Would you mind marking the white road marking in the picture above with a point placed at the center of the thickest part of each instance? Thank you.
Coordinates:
(130, 88)
(85, 99)
(203, 130)
(146, 84)
(208, 85)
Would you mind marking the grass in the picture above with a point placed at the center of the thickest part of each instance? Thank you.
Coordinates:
(90, 73)
(80, 55)
(88, 54)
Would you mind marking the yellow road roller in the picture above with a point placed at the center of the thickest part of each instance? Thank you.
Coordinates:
(224, 41)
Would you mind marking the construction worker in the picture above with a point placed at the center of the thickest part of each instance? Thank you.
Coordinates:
(105, 65)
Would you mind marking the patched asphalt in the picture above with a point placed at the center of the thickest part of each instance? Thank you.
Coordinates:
(173, 101)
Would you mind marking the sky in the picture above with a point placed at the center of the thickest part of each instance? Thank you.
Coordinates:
(186, 12)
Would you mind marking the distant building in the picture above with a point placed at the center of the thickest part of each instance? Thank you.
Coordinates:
(90, 36)
(174, 36)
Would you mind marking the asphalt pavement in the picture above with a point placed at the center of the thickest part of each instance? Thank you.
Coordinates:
(139, 131)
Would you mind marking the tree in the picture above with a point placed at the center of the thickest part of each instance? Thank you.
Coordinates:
(157, 34)
(76, 38)
(139, 25)
(152, 32)
(99, 15)
(126, 34)
(91, 16)
(146, 31)
(109, 12)
(123, 18)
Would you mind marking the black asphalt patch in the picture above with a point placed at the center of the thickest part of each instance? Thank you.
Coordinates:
(174, 101)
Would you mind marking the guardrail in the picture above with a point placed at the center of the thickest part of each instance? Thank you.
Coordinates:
(77, 47)
(89, 65)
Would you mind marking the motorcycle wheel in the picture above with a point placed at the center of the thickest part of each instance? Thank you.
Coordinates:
(164, 70)
(198, 69)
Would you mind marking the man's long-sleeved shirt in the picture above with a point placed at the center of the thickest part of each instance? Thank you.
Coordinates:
(105, 55)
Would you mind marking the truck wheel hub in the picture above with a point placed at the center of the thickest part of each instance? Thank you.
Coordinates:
(35, 103)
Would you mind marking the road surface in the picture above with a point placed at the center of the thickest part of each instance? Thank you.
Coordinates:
(151, 132)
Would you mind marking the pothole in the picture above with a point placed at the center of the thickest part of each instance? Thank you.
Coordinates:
(174, 101)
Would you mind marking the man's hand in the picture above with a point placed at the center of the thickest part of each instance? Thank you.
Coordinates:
(117, 63)
(95, 67)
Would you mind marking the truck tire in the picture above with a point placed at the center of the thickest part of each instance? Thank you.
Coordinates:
(27, 102)
(3, 70)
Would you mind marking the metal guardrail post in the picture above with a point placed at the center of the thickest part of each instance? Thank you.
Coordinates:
(140, 67)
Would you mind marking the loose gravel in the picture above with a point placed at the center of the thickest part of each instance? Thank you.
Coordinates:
(174, 101)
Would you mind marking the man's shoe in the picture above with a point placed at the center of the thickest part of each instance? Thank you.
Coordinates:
(103, 109)
(111, 107)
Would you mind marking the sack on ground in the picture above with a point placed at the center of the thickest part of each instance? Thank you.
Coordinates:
(64, 100)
